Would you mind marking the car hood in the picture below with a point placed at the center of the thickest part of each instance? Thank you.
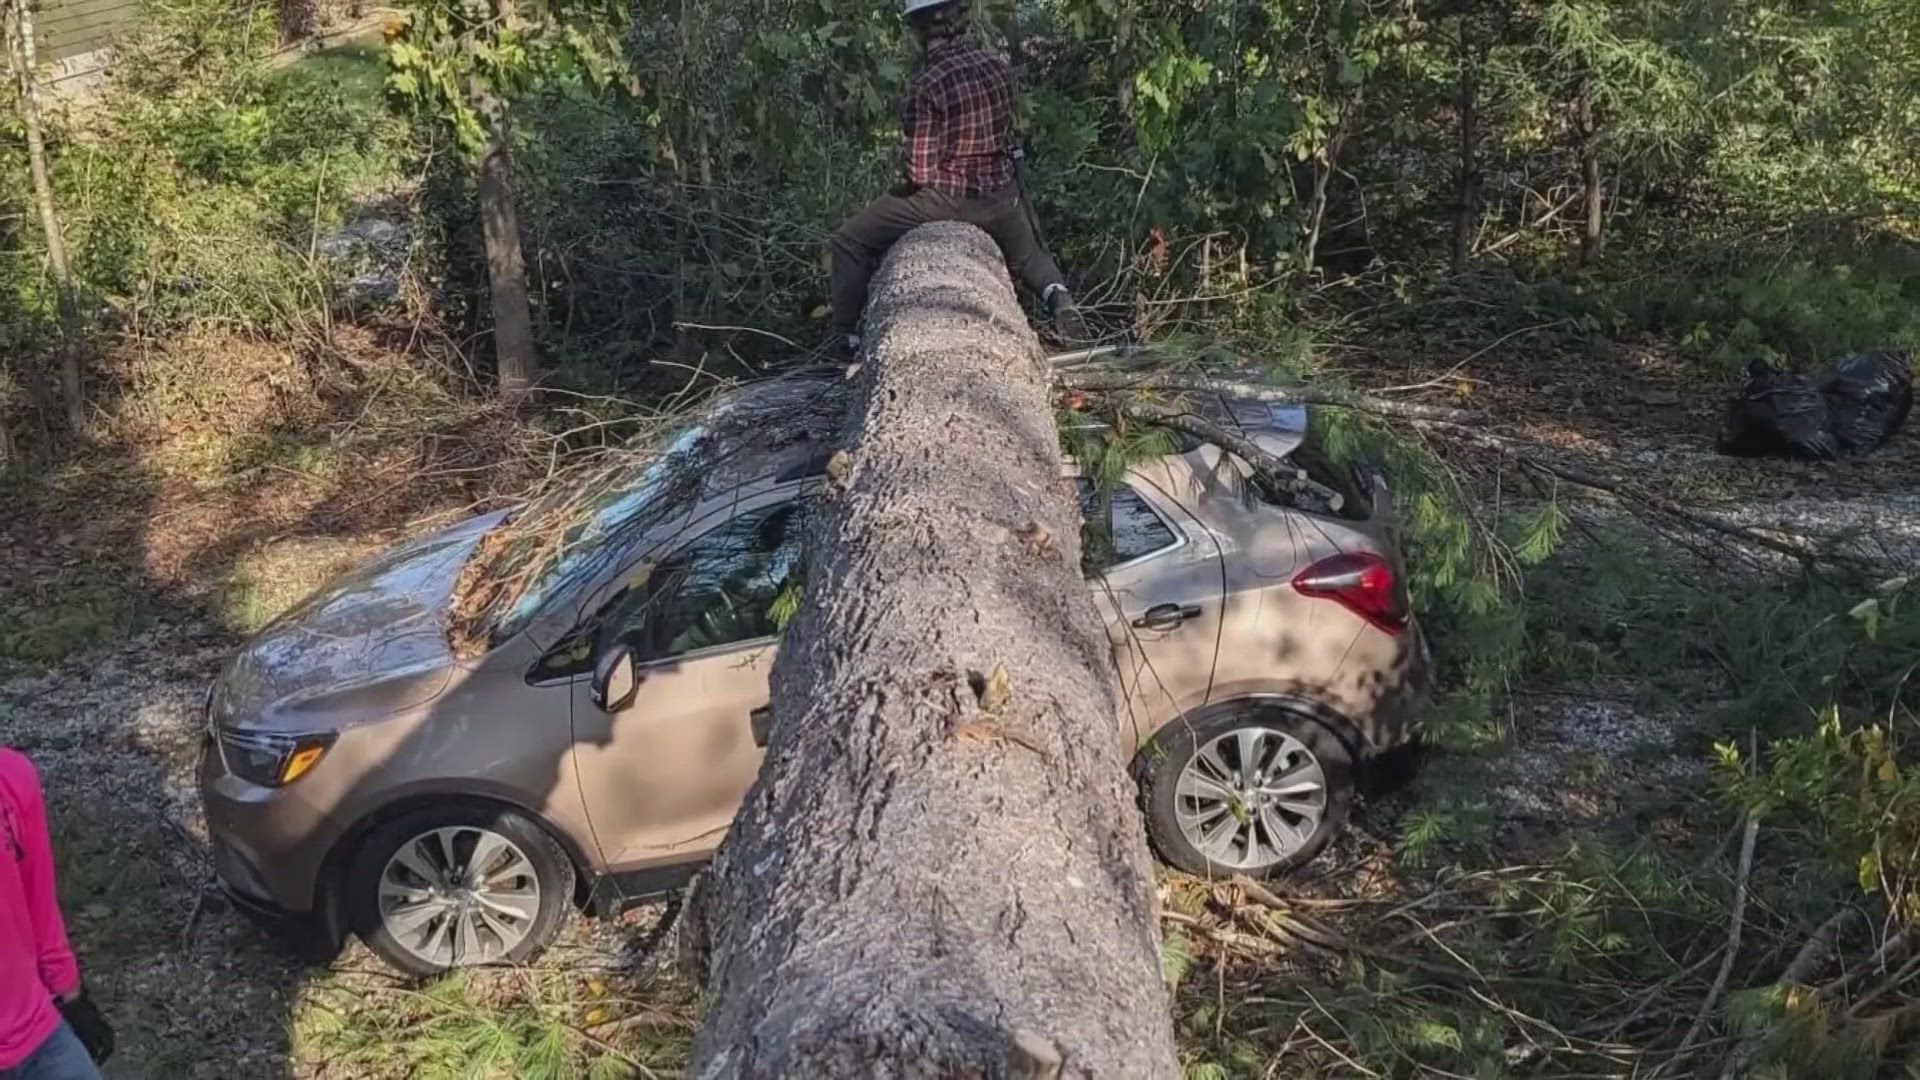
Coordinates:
(368, 644)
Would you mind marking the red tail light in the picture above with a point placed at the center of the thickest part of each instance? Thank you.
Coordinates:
(1362, 582)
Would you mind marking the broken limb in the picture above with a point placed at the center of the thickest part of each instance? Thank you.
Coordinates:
(1288, 483)
(1252, 391)
(1525, 454)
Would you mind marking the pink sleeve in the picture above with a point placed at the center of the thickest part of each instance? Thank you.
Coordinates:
(59, 971)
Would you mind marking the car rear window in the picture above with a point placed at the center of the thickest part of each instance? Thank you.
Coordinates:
(1118, 526)
(1356, 500)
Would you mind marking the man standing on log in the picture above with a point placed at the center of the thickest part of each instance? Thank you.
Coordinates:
(960, 165)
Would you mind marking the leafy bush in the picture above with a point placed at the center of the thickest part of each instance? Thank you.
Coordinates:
(1805, 310)
(193, 190)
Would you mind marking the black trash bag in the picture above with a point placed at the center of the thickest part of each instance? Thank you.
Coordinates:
(1778, 414)
(1868, 398)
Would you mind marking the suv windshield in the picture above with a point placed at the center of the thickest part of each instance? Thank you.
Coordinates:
(559, 540)
(584, 523)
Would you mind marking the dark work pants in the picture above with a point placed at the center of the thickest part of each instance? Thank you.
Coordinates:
(863, 241)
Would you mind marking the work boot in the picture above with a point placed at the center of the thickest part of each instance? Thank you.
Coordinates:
(1069, 325)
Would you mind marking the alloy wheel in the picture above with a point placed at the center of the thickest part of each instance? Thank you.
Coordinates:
(459, 896)
(1251, 798)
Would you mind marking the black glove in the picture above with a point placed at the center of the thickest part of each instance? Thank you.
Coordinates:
(903, 190)
(90, 1025)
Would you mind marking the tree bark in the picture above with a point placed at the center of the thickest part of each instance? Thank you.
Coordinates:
(506, 269)
(941, 871)
(26, 65)
(1593, 191)
(1467, 181)
(1323, 168)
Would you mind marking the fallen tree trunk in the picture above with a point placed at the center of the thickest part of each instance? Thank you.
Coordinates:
(940, 871)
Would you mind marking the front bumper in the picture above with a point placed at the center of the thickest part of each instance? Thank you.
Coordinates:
(268, 844)
(315, 936)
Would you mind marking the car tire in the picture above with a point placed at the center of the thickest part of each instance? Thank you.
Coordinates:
(1259, 825)
(458, 886)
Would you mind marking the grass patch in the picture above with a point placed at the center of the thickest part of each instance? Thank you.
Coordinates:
(355, 70)
(44, 622)
(535, 1022)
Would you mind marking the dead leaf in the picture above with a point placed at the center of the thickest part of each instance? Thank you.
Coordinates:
(997, 692)
(1036, 539)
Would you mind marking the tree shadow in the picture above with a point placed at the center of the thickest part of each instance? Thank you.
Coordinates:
(130, 582)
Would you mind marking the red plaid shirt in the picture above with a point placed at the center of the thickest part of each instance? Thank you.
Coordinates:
(958, 120)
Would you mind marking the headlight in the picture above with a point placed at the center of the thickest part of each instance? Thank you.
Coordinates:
(272, 760)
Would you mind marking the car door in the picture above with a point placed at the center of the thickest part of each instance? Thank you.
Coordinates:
(1157, 575)
(663, 777)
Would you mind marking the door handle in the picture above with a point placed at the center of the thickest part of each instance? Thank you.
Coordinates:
(761, 721)
(1167, 616)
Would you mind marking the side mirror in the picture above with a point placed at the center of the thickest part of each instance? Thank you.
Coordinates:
(615, 681)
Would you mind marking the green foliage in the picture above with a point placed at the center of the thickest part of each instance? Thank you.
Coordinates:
(194, 188)
(1466, 979)
(1176, 956)
(1106, 449)
(1460, 572)
(1218, 106)
(46, 624)
(1802, 310)
(1851, 784)
(1539, 533)
(460, 61)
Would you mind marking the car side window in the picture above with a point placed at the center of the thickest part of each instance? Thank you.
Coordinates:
(1117, 526)
(736, 583)
(739, 582)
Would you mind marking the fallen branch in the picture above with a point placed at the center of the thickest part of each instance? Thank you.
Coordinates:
(1454, 371)
(737, 330)
(1816, 953)
(1734, 930)
(1284, 478)
(1521, 453)
(1224, 935)
(639, 1067)
(1875, 964)
(1891, 983)
(1291, 395)
(1105, 355)
(1651, 997)
(1820, 949)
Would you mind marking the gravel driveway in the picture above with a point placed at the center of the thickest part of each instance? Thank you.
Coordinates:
(193, 989)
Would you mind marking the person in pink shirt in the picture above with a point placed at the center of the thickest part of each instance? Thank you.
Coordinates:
(38, 973)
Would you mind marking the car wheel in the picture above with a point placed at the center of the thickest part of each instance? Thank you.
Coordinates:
(458, 886)
(1252, 790)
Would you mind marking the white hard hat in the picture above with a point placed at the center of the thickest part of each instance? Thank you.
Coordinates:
(908, 7)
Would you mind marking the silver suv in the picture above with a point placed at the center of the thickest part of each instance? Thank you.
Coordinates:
(451, 810)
